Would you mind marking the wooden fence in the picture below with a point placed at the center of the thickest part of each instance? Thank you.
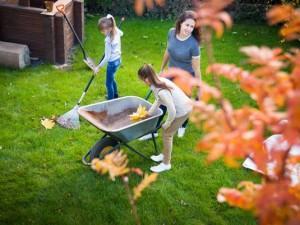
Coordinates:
(47, 35)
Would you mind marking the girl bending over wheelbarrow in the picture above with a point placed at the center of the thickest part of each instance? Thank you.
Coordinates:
(178, 107)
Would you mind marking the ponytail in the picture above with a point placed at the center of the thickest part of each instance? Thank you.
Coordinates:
(108, 21)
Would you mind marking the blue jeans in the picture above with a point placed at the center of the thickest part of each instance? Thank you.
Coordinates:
(111, 85)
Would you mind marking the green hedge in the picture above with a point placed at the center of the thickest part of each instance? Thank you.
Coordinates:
(240, 9)
(171, 9)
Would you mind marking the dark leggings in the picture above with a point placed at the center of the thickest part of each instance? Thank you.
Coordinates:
(164, 109)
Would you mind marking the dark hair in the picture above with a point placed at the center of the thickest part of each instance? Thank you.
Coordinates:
(147, 72)
(189, 14)
(108, 21)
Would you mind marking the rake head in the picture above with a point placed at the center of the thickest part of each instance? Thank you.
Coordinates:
(70, 119)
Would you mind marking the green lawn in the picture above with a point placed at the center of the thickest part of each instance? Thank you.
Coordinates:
(42, 179)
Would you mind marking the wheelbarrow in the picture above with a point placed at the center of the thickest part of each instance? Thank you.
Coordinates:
(112, 118)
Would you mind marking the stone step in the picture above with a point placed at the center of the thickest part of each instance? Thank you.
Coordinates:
(14, 55)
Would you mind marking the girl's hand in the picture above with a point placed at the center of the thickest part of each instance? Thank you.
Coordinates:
(96, 69)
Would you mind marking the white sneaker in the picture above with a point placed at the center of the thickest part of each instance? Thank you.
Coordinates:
(157, 158)
(147, 137)
(160, 168)
(181, 132)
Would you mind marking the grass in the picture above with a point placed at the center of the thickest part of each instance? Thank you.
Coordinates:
(42, 179)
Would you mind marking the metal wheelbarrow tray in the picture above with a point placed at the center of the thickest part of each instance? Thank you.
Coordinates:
(112, 118)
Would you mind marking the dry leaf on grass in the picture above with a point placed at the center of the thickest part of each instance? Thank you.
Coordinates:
(48, 123)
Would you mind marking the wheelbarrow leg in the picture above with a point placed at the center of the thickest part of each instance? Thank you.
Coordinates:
(104, 136)
(135, 151)
(118, 146)
(84, 159)
(154, 143)
(87, 162)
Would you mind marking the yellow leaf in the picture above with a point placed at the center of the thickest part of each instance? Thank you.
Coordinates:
(48, 123)
(140, 114)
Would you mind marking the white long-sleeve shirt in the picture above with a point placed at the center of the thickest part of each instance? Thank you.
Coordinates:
(112, 48)
(177, 103)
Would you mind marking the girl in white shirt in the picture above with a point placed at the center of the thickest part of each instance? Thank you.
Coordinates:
(107, 26)
(178, 107)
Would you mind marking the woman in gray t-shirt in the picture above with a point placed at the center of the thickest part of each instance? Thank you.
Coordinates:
(183, 45)
(183, 49)
(182, 52)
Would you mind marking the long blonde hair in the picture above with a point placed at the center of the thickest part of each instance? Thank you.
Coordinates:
(147, 72)
(108, 22)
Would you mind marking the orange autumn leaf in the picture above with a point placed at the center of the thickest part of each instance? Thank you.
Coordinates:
(292, 130)
(139, 7)
(295, 76)
(216, 153)
(232, 142)
(115, 164)
(290, 17)
(291, 31)
(137, 171)
(294, 109)
(294, 58)
(230, 71)
(208, 92)
(276, 203)
(264, 56)
(149, 4)
(294, 160)
(148, 179)
(182, 79)
(187, 82)
(244, 197)
(211, 13)
(218, 27)
(295, 191)
(231, 162)
(280, 13)
(225, 18)
(160, 3)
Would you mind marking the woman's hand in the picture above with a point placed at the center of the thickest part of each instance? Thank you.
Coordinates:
(165, 60)
(196, 67)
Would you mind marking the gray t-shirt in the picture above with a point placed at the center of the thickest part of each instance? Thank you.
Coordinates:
(182, 52)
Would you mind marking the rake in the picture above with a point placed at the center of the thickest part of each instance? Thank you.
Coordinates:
(70, 119)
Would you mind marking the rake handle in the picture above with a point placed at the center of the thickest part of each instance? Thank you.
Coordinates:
(61, 8)
(86, 89)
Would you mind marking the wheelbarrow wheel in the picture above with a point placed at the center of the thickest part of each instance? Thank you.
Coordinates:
(103, 147)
